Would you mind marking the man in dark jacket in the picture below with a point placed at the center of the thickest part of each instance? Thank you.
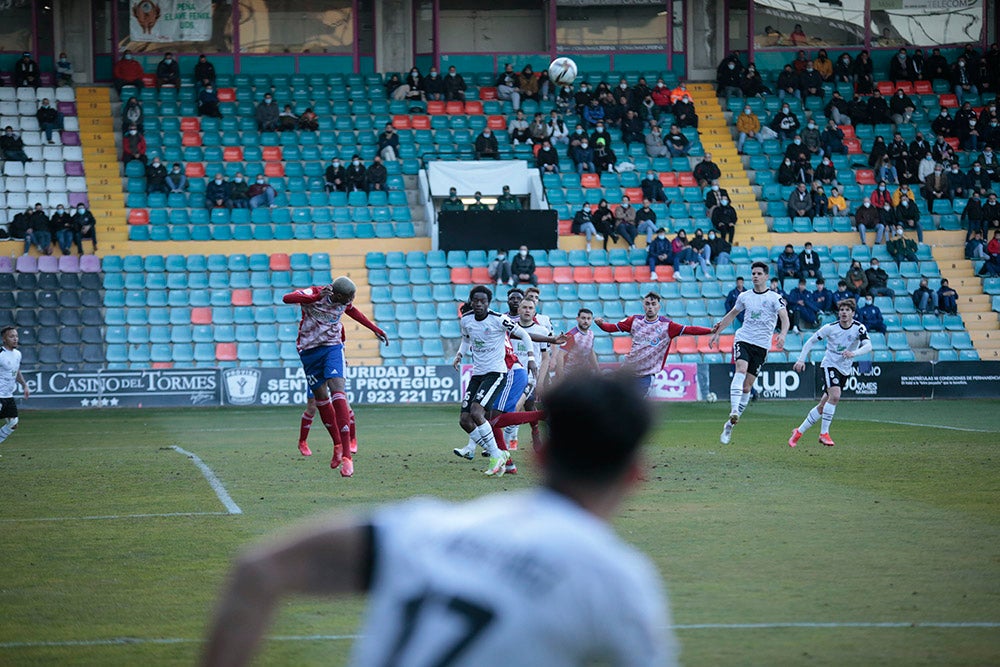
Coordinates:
(217, 193)
(523, 267)
(49, 119)
(809, 263)
(486, 145)
(156, 177)
(377, 174)
(356, 175)
(26, 72)
(63, 227)
(788, 263)
(724, 220)
(822, 298)
(12, 146)
(733, 295)
(168, 72)
(267, 115)
(204, 72)
(659, 253)
(652, 188)
(878, 280)
(870, 315)
(336, 177)
(454, 86)
(706, 171)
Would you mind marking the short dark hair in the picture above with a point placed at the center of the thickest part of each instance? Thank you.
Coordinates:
(515, 290)
(3, 332)
(761, 265)
(586, 412)
(588, 311)
(740, 279)
(481, 289)
(841, 282)
(651, 295)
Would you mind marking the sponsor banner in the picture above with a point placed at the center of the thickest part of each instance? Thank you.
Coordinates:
(676, 382)
(775, 381)
(170, 20)
(885, 380)
(364, 384)
(963, 379)
(139, 388)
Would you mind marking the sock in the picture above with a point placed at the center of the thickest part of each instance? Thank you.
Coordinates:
(498, 436)
(329, 419)
(810, 419)
(470, 446)
(483, 435)
(343, 412)
(824, 426)
(745, 401)
(510, 433)
(5, 432)
(354, 430)
(736, 392)
(304, 426)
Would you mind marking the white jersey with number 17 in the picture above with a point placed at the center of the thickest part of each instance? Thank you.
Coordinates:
(762, 310)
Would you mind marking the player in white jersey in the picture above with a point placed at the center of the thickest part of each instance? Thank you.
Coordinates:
(484, 337)
(762, 309)
(845, 340)
(446, 587)
(10, 377)
(544, 369)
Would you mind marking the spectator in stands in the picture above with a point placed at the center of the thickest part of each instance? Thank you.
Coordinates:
(583, 223)
(728, 77)
(942, 151)
(801, 305)
(920, 146)
(991, 212)
(885, 171)
(499, 269)
(867, 218)
(787, 263)
(747, 127)
(751, 83)
(720, 248)
(926, 168)
(661, 99)
(538, 130)
(38, 231)
(706, 171)
(64, 71)
(454, 86)
(625, 225)
(785, 123)
(878, 109)
(990, 162)
(724, 220)
(843, 292)
(947, 298)
(798, 36)
(452, 203)
(944, 125)
(658, 253)
(810, 82)
(507, 201)
(308, 121)
(565, 99)
(843, 70)
(991, 131)
(639, 91)
(523, 267)
(937, 67)
(857, 109)
(176, 180)
(979, 180)
(936, 186)
(870, 315)
(133, 146)
(267, 114)
(415, 83)
(156, 176)
(486, 145)
(901, 248)
(604, 221)
(547, 159)
(582, 97)
(239, 191)
(677, 143)
(652, 188)
(809, 263)
(864, 74)
(517, 128)
(825, 173)
(356, 176)
(908, 216)
(733, 295)
(261, 193)
(788, 83)
(558, 132)
(604, 157)
(901, 107)
(899, 67)
(64, 229)
(838, 205)
(529, 84)
(787, 173)
(26, 72)
(972, 216)
(878, 280)
(18, 228)
(477, 204)
(592, 113)
(615, 111)
(992, 265)
(702, 249)
(208, 102)
(963, 80)
(168, 72)
(800, 202)
(133, 114)
(217, 193)
(645, 220)
(582, 156)
(967, 128)
(887, 215)
(127, 72)
(86, 228)
(287, 120)
(682, 252)
(49, 119)
(811, 140)
(204, 73)
(395, 89)
(822, 298)
(336, 176)
(376, 175)
(924, 299)
(684, 112)
(434, 86)
(713, 198)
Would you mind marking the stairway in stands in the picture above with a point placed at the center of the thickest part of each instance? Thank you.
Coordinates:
(973, 305)
(718, 140)
(100, 163)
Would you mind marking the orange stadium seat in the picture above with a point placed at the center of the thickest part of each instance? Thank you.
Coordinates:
(583, 274)
(949, 100)
(274, 169)
(565, 227)
(603, 274)
(633, 194)
(271, 153)
(488, 93)
(242, 297)
(461, 275)
(232, 154)
(227, 94)
(496, 123)
(562, 275)
(420, 122)
(641, 273)
(726, 344)
(590, 180)
(191, 124)
(481, 276)
(191, 139)
(194, 170)
(853, 146)
(686, 345)
(704, 345)
(906, 87)
(225, 351)
(624, 274)
(953, 142)
(474, 108)
(138, 216)
(435, 107)
(201, 315)
(665, 274)
(149, 80)
(454, 108)
(544, 274)
(668, 179)
(401, 122)
(163, 364)
(621, 344)
(865, 176)
(279, 261)
(887, 88)
(923, 88)
(848, 131)
(686, 179)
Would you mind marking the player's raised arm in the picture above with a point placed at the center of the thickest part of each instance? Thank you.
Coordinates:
(800, 363)
(726, 320)
(516, 331)
(363, 320)
(864, 346)
(675, 330)
(623, 326)
(305, 295)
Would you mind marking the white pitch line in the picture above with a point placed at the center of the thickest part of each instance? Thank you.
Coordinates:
(940, 426)
(213, 481)
(127, 641)
(108, 517)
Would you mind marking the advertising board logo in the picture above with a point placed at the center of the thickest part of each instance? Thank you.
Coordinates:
(777, 384)
(241, 385)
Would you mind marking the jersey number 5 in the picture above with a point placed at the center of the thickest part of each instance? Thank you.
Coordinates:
(475, 617)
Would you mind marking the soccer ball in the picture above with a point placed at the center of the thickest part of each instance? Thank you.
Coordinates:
(562, 71)
(711, 397)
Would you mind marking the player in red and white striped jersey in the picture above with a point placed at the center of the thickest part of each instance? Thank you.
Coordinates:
(577, 354)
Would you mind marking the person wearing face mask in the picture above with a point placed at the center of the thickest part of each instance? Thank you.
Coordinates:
(517, 128)
(64, 71)
(168, 72)
(176, 180)
(376, 175)
(810, 82)
(838, 110)
(261, 193)
(625, 225)
(800, 202)
(604, 222)
(86, 228)
(49, 119)
(38, 231)
(899, 67)
(964, 80)
(878, 109)
(870, 316)
(676, 142)
(395, 89)
(684, 112)
(785, 123)
(434, 86)
(728, 77)
(864, 74)
(901, 107)
(632, 129)
(558, 132)
(583, 223)
(452, 202)
(507, 89)
(547, 159)
(878, 280)
(454, 86)
(593, 113)
(523, 267)
(655, 146)
(979, 180)
(204, 72)
(719, 248)
(826, 173)
(936, 186)
(477, 204)
(787, 173)
(208, 102)
(604, 157)
(156, 177)
(682, 252)
(645, 220)
(356, 176)
(724, 219)
(133, 114)
(748, 127)
(267, 115)
(659, 252)
(702, 250)
(529, 85)
(239, 192)
(908, 216)
(63, 229)
(973, 216)
(499, 269)
(127, 72)
(752, 84)
(486, 145)
(926, 167)
(706, 172)
(843, 69)
(991, 212)
(583, 156)
(133, 146)
(507, 201)
(837, 203)
(217, 193)
(713, 197)
(538, 130)
(867, 218)
(336, 177)
(652, 188)
(788, 83)
(600, 132)
(990, 163)
(287, 119)
(811, 139)
(661, 99)
(415, 84)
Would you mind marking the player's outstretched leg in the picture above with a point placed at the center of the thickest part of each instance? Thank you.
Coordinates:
(824, 426)
(354, 433)
(7, 429)
(329, 418)
(806, 424)
(343, 413)
(304, 426)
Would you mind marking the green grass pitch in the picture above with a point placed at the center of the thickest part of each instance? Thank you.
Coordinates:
(883, 550)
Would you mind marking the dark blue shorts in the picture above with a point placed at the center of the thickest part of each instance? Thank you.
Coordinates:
(322, 364)
(512, 390)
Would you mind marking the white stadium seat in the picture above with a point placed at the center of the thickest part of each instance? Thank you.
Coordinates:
(66, 94)
(26, 94)
(56, 198)
(29, 124)
(13, 168)
(71, 124)
(7, 94)
(31, 138)
(34, 169)
(55, 184)
(17, 200)
(55, 167)
(72, 153)
(38, 197)
(44, 92)
(76, 184)
(34, 152)
(52, 154)
(26, 108)
(9, 109)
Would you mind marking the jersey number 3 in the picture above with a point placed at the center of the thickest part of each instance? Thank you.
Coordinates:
(475, 618)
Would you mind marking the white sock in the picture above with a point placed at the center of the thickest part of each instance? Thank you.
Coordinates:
(828, 410)
(736, 392)
(483, 435)
(745, 401)
(810, 419)
(510, 432)
(470, 446)
(5, 432)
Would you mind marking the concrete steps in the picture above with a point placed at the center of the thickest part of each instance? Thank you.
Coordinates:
(974, 306)
(100, 164)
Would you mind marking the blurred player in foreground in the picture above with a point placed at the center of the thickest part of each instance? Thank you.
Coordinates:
(10, 377)
(845, 339)
(321, 348)
(563, 583)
